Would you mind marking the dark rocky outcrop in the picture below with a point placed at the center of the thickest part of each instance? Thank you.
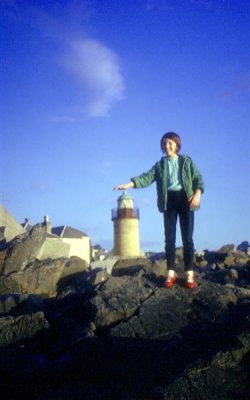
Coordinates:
(68, 331)
(41, 276)
(22, 327)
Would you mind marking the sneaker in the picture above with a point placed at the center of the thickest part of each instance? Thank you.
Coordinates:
(190, 282)
(170, 280)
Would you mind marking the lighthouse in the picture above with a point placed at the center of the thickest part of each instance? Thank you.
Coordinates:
(126, 227)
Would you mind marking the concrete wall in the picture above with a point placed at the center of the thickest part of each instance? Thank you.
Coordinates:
(79, 247)
(12, 227)
(53, 248)
(65, 247)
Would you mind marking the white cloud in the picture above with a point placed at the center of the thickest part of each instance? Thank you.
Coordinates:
(94, 66)
(97, 69)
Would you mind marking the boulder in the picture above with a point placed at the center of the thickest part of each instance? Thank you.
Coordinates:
(229, 260)
(81, 282)
(131, 266)
(7, 303)
(107, 264)
(74, 265)
(243, 246)
(23, 249)
(214, 256)
(13, 330)
(16, 304)
(227, 248)
(119, 298)
(166, 312)
(39, 277)
(159, 268)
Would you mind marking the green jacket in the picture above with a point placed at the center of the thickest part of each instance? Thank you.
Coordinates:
(191, 179)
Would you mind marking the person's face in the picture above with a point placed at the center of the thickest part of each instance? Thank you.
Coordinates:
(171, 148)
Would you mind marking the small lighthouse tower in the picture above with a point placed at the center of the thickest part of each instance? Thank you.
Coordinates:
(126, 227)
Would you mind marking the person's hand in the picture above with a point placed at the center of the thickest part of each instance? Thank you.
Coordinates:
(194, 201)
(124, 186)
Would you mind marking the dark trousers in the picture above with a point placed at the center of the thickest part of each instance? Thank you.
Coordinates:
(177, 205)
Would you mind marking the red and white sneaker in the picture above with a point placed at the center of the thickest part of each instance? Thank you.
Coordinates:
(171, 278)
(190, 282)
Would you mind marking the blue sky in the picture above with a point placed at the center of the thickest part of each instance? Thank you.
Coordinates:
(89, 87)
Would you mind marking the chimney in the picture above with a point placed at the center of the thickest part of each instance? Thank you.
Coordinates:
(26, 223)
(47, 224)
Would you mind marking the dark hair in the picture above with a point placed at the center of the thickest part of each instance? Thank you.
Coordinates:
(172, 136)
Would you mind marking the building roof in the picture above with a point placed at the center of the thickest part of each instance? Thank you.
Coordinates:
(66, 231)
(63, 231)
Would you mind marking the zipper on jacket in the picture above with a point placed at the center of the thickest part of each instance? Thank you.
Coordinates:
(166, 183)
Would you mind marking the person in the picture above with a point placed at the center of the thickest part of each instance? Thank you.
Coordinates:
(179, 187)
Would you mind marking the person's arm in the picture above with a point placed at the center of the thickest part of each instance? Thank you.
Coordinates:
(194, 201)
(125, 186)
(141, 181)
(198, 184)
(198, 187)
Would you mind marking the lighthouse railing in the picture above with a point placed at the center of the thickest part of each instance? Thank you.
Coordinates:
(118, 213)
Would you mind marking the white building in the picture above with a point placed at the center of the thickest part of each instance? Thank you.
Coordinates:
(64, 241)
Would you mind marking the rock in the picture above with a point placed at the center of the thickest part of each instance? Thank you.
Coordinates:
(214, 256)
(220, 265)
(244, 246)
(73, 266)
(106, 264)
(205, 383)
(7, 303)
(23, 249)
(40, 277)
(200, 260)
(228, 248)
(2, 258)
(234, 274)
(81, 282)
(157, 318)
(124, 336)
(162, 257)
(131, 266)
(203, 264)
(3, 241)
(212, 267)
(13, 330)
(229, 260)
(44, 276)
(159, 268)
(119, 298)
(241, 259)
(2, 235)
(157, 256)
